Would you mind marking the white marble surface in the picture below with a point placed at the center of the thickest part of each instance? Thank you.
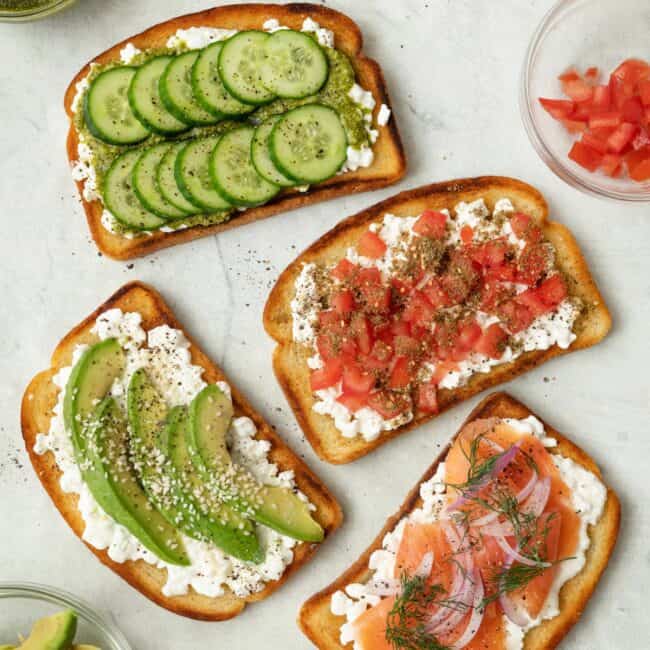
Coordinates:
(452, 69)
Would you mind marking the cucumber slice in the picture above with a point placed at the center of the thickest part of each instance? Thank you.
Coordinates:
(192, 173)
(233, 173)
(107, 112)
(208, 87)
(146, 188)
(166, 180)
(241, 61)
(261, 157)
(296, 65)
(176, 91)
(144, 98)
(309, 143)
(120, 198)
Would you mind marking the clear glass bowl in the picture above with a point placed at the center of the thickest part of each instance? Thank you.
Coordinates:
(22, 604)
(44, 9)
(583, 33)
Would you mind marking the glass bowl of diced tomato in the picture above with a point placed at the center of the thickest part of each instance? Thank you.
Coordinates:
(585, 95)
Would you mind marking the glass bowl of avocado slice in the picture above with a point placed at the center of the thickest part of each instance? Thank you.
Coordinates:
(34, 616)
(24, 10)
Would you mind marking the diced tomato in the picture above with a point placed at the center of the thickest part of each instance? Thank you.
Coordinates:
(407, 345)
(360, 328)
(632, 71)
(418, 309)
(585, 156)
(504, 272)
(379, 357)
(495, 252)
(636, 161)
(431, 224)
(622, 137)
(443, 368)
(644, 92)
(641, 171)
(375, 295)
(602, 98)
(516, 316)
(602, 133)
(533, 262)
(435, 294)
(590, 140)
(445, 337)
(611, 119)
(400, 377)
(524, 227)
(570, 74)
(355, 380)
(492, 341)
(553, 291)
(560, 109)
(574, 126)
(494, 294)
(402, 286)
(327, 376)
(632, 110)
(466, 234)
(612, 165)
(388, 404)
(532, 300)
(353, 401)
(371, 245)
(427, 398)
(592, 74)
(578, 90)
(461, 277)
(331, 321)
(344, 270)
(330, 346)
(468, 334)
(343, 302)
(642, 139)
(400, 328)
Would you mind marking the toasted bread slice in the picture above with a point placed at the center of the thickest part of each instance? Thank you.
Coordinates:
(389, 163)
(290, 359)
(40, 398)
(323, 627)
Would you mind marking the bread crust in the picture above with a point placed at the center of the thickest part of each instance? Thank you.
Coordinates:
(290, 359)
(40, 398)
(388, 167)
(322, 627)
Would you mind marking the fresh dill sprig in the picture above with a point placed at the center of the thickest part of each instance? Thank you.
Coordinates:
(511, 579)
(406, 628)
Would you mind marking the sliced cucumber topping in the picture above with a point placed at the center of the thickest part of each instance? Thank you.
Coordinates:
(192, 173)
(107, 111)
(166, 181)
(262, 158)
(241, 61)
(176, 91)
(296, 65)
(146, 187)
(120, 198)
(309, 143)
(145, 101)
(233, 173)
(208, 87)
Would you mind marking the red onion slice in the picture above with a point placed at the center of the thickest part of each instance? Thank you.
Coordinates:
(425, 566)
(424, 281)
(503, 528)
(525, 492)
(442, 613)
(516, 615)
(476, 618)
(515, 555)
(538, 499)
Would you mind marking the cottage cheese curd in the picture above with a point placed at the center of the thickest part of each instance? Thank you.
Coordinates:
(588, 497)
(554, 328)
(164, 352)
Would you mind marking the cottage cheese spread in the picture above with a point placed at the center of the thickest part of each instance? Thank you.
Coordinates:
(164, 352)
(83, 169)
(554, 328)
(588, 497)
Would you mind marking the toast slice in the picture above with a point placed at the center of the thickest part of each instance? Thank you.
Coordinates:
(40, 398)
(388, 167)
(322, 627)
(290, 359)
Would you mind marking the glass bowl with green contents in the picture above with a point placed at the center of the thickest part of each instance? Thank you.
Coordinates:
(24, 10)
(37, 612)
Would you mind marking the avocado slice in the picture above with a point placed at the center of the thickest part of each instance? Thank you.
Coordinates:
(276, 507)
(98, 429)
(147, 413)
(52, 632)
(229, 530)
